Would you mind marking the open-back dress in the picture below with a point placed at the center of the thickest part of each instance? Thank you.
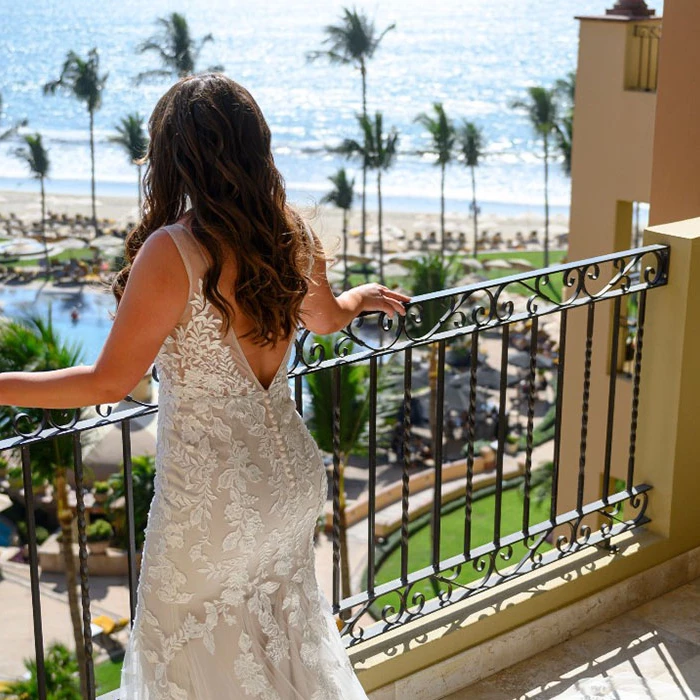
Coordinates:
(228, 602)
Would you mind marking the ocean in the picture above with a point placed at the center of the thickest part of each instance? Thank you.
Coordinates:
(475, 56)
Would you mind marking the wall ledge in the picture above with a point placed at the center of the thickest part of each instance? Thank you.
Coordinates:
(451, 649)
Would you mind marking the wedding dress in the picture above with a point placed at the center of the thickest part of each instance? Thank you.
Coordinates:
(228, 602)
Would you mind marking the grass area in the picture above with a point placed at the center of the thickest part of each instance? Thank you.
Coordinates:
(534, 257)
(452, 540)
(108, 676)
(63, 256)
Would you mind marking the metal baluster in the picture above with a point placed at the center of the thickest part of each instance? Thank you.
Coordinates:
(558, 414)
(635, 389)
(298, 394)
(129, 509)
(83, 556)
(34, 574)
(611, 398)
(408, 359)
(584, 412)
(437, 453)
(335, 401)
(502, 424)
(530, 423)
(372, 485)
(471, 436)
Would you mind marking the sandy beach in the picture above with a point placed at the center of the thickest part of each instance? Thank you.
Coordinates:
(325, 220)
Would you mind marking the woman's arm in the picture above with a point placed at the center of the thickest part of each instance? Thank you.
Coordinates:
(153, 302)
(323, 312)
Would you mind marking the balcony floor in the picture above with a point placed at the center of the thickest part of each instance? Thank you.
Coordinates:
(651, 652)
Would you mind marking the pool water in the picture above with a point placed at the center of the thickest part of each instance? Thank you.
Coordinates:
(6, 532)
(91, 328)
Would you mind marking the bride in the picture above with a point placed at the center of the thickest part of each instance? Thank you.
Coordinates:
(221, 272)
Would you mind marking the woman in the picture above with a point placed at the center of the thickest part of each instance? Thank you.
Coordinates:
(221, 272)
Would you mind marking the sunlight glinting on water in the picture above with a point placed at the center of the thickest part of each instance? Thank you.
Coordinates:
(475, 56)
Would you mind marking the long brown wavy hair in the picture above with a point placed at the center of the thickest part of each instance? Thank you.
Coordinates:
(210, 148)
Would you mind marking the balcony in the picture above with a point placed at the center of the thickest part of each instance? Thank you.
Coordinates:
(614, 533)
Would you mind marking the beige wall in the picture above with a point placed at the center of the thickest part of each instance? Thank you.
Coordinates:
(611, 168)
(676, 178)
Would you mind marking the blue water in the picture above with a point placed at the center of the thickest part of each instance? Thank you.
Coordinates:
(94, 308)
(475, 56)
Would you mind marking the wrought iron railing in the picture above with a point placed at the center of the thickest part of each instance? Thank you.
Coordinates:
(433, 324)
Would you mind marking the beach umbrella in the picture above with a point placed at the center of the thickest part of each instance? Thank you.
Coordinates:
(472, 263)
(521, 264)
(497, 264)
(107, 242)
(406, 258)
(23, 247)
(356, 257)
(70, 244)
(394, 270)
(104, 456)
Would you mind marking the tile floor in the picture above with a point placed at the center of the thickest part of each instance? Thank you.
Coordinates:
(649, 653)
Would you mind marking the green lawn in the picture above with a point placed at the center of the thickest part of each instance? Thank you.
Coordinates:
(64, 256)
(108, 676)
(534, 257)
(452, 541)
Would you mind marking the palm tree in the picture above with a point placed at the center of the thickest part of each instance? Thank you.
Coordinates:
(11, 131)
(431, 273)
(34, 345)
(566, 90)
(471, 143)
(443, 135)
(377, 152)
(342, 196)
(36, 157)
(132, 137)
(82, 78)
(354, 410)
(542, 110)
(177, 50)
(353, 41)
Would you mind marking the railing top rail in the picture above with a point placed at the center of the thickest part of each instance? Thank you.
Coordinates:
(661, 250)
(486, 304)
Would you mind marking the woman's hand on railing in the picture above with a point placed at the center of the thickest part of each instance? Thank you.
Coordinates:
(374, 297)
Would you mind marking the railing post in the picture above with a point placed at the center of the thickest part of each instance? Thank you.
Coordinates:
(667, 454)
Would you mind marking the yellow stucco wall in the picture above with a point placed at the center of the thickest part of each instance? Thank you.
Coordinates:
(611, 168)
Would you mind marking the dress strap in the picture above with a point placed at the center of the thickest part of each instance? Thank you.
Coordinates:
(190, 251)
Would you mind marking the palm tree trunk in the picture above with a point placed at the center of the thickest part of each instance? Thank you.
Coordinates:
(138, 168)
(43, 225)
(363, 233)
(92, 170)
(343, 536)
(379, 226)
(546, 200)
(474, 212)
(442, 210)
(345, 249)
(65, 518)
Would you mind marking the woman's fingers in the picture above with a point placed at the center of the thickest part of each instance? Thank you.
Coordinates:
(391, 294)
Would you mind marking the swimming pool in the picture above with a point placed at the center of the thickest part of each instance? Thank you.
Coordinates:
(93, 307)
(7, 530)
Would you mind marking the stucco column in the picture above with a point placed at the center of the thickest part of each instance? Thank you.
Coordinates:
(668, 452)
(675, 182)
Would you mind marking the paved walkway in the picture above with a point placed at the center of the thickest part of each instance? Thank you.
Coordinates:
(649, 653)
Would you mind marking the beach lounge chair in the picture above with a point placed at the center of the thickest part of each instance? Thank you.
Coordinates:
(103, 624)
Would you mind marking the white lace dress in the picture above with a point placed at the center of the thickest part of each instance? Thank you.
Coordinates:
(228, 603)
